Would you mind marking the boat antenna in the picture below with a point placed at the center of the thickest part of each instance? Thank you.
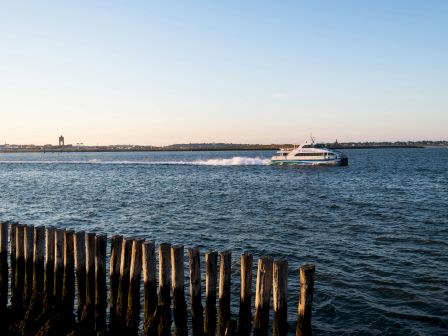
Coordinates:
(312, 139)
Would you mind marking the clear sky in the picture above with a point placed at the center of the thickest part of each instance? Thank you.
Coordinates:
(162, 72)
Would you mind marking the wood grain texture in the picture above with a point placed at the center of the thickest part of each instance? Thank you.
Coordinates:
(88, 315)
(133, 313)
(100, 282)
(29, 261)
(195, 292)
(50, 233)
(280, 296)
(263, 296)
(245, 313)
(150, 288)
(114, 277)
(68, 290)
(164, 306)
(178, 281)
(225, 272)
(305, 300)
(80, 269)
(211, 280)
(4, 228)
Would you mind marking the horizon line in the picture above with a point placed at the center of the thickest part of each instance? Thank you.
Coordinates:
(80, 144)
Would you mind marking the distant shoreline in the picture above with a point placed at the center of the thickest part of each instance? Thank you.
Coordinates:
(202, 149)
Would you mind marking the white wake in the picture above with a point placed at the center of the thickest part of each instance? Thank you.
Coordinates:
(234, 161)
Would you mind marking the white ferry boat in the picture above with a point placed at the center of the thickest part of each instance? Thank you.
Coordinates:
(310, 154)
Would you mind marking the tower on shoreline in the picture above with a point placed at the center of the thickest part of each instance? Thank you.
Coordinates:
(61, 141)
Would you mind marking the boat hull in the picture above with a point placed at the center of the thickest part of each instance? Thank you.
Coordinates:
(336, 162)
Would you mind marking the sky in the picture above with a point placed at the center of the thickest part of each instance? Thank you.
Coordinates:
(164, 72)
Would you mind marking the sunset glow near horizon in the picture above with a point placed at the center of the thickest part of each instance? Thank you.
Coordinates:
(242, 72)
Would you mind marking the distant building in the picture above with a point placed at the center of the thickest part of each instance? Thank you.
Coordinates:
(61, 141)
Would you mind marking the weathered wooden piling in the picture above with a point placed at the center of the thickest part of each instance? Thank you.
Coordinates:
(245, 315)
(150, 288)
(225, 271)
(58, 266)
(17, 294)
(305, 300)
(164, 305)
(67, 250)
(12, 254)
(211, 275)
(88, 315)
(133, 314)
(3, 265)
(231, 328)
(29, 256)
(34, 306)
(195, 292)
(100, 282)
(263, 296)
(123, 284)
(68, 284)
(49, 268)
(80, 267)
(114, 273)
(39, 258)
(280, 294)
(178, 281)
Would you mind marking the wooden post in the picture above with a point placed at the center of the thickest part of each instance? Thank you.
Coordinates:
(178, 280)
(245, 314)
(305, 300)
(80, 266)
(150, 287)
(88, 315)
(12, 255)
(34, 286)
(280, 289)
(39, 256)
(164, 305)
(17, 295)
(49, 268)
(100, 282)
(59, 267)
(225, 269)
(123, 284)
(115, 257)
(211, 269)
(68, 284)
(133, 314)
(28, 252)
(195, 292)
(3, 265)
(231, 328)
(263, 296)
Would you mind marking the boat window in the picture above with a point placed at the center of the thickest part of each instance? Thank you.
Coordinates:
(310, 154)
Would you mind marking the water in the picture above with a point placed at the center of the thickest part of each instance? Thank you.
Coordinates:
(377, 230)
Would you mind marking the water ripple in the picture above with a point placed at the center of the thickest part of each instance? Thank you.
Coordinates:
(377, 230)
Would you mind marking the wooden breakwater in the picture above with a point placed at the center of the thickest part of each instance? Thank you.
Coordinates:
(50, 266)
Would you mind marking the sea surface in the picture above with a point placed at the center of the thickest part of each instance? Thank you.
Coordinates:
(376, 230)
